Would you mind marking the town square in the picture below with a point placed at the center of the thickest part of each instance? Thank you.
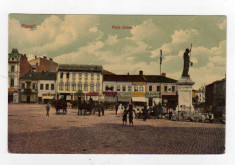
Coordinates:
(112, 84)
(31, 131)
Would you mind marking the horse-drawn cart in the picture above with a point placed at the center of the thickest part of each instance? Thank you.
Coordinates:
(60, 105)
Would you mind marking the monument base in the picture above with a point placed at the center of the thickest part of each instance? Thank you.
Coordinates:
(184, 86)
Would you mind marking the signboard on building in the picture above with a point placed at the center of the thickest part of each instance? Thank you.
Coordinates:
(11, 89)
(138, 83)
(138, 94)
(124, 94)
(110, 93)
(153, 94)
(92, 93)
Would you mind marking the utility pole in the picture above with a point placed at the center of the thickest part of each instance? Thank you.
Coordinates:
(160, 62)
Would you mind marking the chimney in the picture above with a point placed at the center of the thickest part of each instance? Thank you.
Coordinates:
(163, 74)
(141, 73)
(35, 57)
(128, 73)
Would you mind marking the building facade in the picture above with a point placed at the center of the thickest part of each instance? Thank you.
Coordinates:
(73, 79)
(43, 64)
(216, 93)
(18, 66)
(37, 87)
(161, 89)
(124, 88)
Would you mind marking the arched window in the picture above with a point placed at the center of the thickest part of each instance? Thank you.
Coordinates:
(67, 86)
(74, 87)
(61, 75)
(98, 87)
(85, 87)
(92, 87)
(12, 68)
(80, 86)
(12, 82)
(61, 86)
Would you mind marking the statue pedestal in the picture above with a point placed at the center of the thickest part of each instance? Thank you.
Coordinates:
(184, 86)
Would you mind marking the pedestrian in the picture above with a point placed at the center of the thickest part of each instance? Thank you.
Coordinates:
(124, 117)
(99, 108)
(145, 112)
(79, 108)
(170, 115)
(130, 111)
(155, 110)
(102, 108)
(47, 109)
(85, 106)
(116, 107)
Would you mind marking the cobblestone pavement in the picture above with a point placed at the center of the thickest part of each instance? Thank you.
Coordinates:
(31, 131)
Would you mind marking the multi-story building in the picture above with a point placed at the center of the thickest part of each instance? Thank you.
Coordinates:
(40, 64)
(124, 88)
(37, 87)
(161, 89)
(18, 66)
(216, 94)
(73, 79)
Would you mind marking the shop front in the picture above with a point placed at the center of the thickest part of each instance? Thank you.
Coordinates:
(110, 96)
(124, 97)
(138, 99)
(47, 98)
(170, 101)
(13, 95)
(93, 95)
(153, 98)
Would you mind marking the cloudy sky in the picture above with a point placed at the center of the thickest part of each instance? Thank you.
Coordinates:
(90, 39)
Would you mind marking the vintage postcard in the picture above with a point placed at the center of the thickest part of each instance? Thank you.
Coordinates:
(116, 84)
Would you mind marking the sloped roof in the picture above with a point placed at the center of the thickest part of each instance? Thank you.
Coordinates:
(108, 72)
(39, 76)
(124, 78)
(159, 79)
(77, 67)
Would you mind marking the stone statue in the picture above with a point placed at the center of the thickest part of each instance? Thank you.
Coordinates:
(186, 63)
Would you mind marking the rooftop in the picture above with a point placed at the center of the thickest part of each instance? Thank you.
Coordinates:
(76, 67)
(158, 78)
(39, 76)
(124, 78)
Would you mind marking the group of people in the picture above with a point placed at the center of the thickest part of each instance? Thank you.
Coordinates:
(128, 110)
(90, 107)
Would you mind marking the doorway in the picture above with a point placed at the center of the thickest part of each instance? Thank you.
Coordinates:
(150, 102)
(28, 99)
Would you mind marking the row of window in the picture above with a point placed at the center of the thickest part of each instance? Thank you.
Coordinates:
(74, 86)
(80, 76)
(34, 86)
(165, 88)
(124, 88)
(137, 88)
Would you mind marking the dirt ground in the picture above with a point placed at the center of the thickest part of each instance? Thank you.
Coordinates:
(31, 131)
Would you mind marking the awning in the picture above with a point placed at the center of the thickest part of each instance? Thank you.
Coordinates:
(138, 99)
(48, 97)
(124, 99)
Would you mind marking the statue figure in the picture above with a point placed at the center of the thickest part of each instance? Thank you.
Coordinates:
(186, 63)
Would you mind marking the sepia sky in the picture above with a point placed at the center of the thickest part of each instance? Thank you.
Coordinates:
(90, 39)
